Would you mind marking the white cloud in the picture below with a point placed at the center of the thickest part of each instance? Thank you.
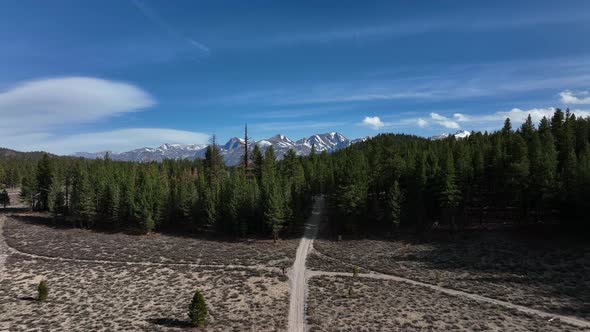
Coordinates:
(571, 98)
(34, 114)
(373, 122)
(422, 123)
(516, 115)
(40, 105)
(444, 121)
(115, 140)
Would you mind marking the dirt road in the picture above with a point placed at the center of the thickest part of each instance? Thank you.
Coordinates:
(3, 249)
(297, 275)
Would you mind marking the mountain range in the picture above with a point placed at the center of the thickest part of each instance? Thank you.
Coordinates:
(232, 151)
(458, 134)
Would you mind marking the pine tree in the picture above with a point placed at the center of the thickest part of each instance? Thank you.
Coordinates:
(44, 177)
(258, 160)
(213, 161)
(274, 212)
(82, 196)
(527, 129)
(42, 291)
(507, 129)
(394, 204)
(197, 310)
(246, 157)
(56, 198)
(449, 194)
(4, 198)
(28, 190)
(145, 202)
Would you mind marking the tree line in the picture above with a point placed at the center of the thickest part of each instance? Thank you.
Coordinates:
(534, 173)
(261, 196)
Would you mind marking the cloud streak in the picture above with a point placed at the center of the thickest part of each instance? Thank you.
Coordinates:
(399, 28)
(155, 18)
(460, 82)
(115, 140)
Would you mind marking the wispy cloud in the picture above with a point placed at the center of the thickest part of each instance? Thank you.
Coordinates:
(276, 127)
(114, 140)
(401, 27)
(298, 112)
(40, 105)
(373, 122)
(449, 83)
(150, 14)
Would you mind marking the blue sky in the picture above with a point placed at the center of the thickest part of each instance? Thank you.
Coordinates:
(95, 75)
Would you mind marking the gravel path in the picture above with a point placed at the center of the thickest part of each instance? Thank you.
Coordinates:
(297, 274)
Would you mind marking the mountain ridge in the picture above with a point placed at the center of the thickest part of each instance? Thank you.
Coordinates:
(232, 151)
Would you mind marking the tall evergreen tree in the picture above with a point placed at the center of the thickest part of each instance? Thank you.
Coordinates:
(44, 177)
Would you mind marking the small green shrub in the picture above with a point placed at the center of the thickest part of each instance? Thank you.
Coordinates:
(197, 310)
(42, 290)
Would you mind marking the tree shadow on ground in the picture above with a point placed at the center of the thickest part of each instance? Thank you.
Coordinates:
(27, 298)
(171, 322)
(208, 235)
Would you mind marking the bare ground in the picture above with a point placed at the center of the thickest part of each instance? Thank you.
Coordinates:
(90, 296)
(125, 282)
(548, 275)
(38, 236)
(96, 289)
(339, 303)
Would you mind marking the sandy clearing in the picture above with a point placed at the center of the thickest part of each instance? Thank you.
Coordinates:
(297, 274)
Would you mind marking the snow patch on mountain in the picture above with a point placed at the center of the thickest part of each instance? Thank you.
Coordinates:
(459, 134)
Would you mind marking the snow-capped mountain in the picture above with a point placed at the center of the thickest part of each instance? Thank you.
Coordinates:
(458, 134)
(233, 150)
(164, 151)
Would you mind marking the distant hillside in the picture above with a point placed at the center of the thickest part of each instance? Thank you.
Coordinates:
(12, 154)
